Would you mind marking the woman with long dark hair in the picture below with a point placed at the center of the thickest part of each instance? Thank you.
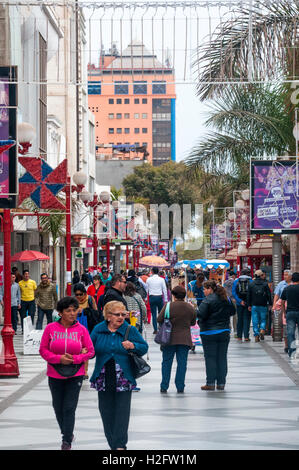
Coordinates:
(214, 320)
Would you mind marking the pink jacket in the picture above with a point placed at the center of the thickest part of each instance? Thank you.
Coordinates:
(58, 340)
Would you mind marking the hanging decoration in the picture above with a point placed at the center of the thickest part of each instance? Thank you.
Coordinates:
(41, 183)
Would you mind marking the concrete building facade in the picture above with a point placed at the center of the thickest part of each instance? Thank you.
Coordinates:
(133, 97)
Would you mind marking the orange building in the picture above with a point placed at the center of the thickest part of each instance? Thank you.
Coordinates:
(133, 99)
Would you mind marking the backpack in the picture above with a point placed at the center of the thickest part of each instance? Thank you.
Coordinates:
(242, 288)
(141, 290)
(258, 293)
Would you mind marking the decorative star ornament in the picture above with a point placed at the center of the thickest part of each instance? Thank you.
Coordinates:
(41, 183)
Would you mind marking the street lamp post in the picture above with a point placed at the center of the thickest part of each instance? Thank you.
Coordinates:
(9, 367)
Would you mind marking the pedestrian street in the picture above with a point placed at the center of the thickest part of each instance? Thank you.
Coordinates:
(259, 408)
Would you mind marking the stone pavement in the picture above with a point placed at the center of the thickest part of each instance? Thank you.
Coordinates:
(258, 410)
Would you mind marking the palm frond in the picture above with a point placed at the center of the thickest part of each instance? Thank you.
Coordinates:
(265, 37)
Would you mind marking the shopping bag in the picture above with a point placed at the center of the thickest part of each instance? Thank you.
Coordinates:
(195, 335)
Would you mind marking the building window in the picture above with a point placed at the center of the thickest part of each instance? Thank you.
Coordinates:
(111, 101)
(136, 116)
(136, 130)
(159, 87)
(144, 130)
(118, 130)
(144, 115)
(118, 101)
(127, 116)
(127, 101)
(127, 130)
(140, 88)
(111, 130)
(121, 88)
(136, 100)
(118, 116)
(94, 88)
(111, 115)
(144, 100)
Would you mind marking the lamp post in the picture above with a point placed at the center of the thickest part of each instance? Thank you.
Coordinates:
(26, 134)
(79, 178)
(9, 367)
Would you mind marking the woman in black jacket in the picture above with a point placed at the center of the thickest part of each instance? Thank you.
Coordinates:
(214, 320)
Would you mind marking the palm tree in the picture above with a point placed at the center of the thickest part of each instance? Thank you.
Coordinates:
(260, 43)
(248, 121)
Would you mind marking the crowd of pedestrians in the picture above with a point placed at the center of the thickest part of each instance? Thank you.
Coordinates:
(105, 318)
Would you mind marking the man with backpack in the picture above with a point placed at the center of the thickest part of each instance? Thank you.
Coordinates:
(258, 299)
(239, 293)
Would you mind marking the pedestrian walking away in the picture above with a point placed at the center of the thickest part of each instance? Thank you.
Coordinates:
(182, 316)
(28, 307)
(290, 295)
(15, 301)
(113, 375)
(135, 305)
(66, 345)
(157, 295)
(88, 314)
(258, 299)
(239, 293)
(214, 321)
(46, 300)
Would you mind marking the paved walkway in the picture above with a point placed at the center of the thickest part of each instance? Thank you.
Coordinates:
(258, 410)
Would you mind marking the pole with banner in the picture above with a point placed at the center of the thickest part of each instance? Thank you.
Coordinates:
(68, 238)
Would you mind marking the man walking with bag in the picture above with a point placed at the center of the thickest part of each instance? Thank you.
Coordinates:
(258, 299)
(239, 293)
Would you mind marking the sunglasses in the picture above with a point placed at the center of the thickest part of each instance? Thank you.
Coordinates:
(119, 314)
(79, 295)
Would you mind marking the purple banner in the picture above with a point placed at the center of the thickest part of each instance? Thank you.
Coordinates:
(275, 203)
(4, 135)
(221, 237)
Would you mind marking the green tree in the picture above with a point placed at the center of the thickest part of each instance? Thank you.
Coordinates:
(166, 184)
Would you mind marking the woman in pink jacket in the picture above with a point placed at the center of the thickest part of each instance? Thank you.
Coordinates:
(66, 345)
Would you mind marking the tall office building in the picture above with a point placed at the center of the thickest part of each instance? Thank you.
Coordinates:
(132, 96)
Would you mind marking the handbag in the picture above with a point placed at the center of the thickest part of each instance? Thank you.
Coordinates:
(164, 332)
(139, 366)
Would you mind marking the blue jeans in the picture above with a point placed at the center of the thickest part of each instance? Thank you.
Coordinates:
(156, 305)
(215, 351)
(27, 308)
(292, 321)
(181, 351)
(259, 318)
(243, 323)
(14, 317)
(40, 317)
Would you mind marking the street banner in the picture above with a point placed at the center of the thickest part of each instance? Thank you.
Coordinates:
(8, 158)
(274, 199)
(164, 249)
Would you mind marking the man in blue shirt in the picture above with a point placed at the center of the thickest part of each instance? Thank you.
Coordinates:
(239, 293)
(196, 288)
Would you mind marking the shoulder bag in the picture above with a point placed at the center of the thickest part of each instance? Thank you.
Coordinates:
(164, 332)
(139, 366)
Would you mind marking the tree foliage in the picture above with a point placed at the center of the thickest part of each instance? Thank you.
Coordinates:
(166, 184)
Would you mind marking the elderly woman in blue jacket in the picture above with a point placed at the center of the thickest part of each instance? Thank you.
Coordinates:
(113, 376)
